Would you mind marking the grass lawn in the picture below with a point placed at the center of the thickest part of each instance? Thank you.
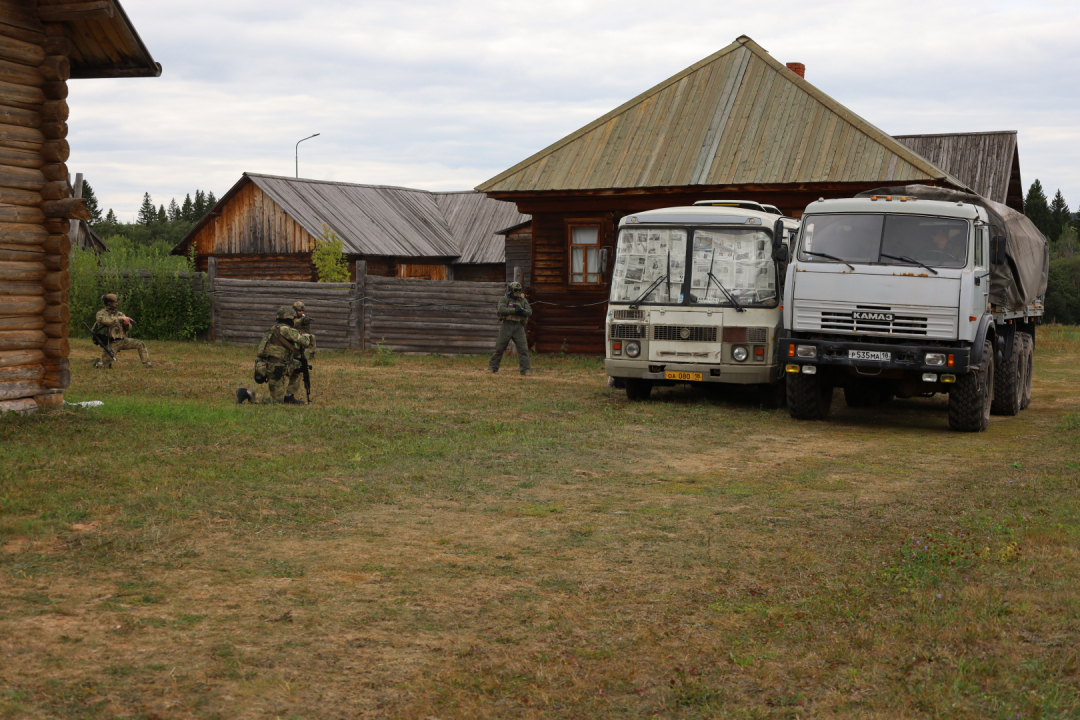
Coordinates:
(429, 541)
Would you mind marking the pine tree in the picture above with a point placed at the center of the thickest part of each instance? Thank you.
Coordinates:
(147, 213)
(1059, 213)
(1037, 209)
(110, 217)
(162, 216)
(91, 203)
(200, 204)
(174, 211)
(211, 201)
(187, 210)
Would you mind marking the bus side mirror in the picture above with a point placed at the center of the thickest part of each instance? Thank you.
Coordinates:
(780, 254)
(605, 252)
(778, 234)
(997, 254)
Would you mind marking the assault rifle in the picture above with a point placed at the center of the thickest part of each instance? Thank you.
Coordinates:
(306, 367)
(103, 344)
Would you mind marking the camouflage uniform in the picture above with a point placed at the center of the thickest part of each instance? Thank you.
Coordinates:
(514, 312)
(112, 320)
(303, 324)
(280, 350)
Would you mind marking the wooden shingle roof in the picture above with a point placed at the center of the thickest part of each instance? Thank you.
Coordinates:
(737, 117)
(987, 162)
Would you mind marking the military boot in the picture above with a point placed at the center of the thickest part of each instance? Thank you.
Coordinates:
(242, 395)
(290, 399)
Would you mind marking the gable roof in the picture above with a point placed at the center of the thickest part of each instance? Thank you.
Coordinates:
(382, 220)
(736, 117)
(987, 162)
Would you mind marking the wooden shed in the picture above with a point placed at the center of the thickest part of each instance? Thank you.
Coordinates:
(265, 227)
(737, 125)
(43, 43)
(987, 162)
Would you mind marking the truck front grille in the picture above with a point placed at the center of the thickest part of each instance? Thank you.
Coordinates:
(684, 333)
(907, 321)
(628, 332)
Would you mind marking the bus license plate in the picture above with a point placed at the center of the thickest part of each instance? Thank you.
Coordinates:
(684, 376)
(868, 355)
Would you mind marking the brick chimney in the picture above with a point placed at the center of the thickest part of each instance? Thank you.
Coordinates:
(797, 68)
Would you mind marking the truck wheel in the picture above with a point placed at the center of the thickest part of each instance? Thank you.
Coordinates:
(637, 389)
(808, 396)
(772, 395)
(1009, 381)
(1028, 359)
(970, 397)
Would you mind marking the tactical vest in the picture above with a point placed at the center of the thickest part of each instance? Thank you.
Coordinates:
(275, 347)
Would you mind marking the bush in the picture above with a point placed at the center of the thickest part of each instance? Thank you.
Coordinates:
(328, 258)
(147, 280)
(1063, 291)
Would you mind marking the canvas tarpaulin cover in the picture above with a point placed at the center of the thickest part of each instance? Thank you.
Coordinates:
(1021, 279)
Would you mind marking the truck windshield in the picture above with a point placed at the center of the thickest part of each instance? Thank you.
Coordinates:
(739, 258)
(871, 238)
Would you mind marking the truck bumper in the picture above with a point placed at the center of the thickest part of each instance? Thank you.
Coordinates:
(749, 374)
(907, 358)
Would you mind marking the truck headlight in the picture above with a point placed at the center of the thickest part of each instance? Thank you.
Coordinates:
(633, 349)
(935, 359)
(806, 351)
(740, 353)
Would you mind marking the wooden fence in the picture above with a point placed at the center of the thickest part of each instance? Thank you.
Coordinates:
(411, 316)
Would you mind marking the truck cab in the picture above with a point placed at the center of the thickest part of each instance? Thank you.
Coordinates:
(696, 297)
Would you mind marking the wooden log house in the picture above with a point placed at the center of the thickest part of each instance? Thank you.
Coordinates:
(43, 44)
(736, 125)
(265, 227)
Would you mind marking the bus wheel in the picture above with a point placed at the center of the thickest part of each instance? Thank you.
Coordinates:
(637, 389)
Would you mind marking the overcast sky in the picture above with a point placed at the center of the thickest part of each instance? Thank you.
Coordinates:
(445, 94)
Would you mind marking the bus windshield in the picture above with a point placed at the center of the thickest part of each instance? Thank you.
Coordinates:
(691, 273)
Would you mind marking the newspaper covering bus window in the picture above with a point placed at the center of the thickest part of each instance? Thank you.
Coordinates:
(645, 256)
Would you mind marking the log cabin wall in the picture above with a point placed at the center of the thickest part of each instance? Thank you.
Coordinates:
(479, 273)
(251, 223)
(36, 204)
(519, 254)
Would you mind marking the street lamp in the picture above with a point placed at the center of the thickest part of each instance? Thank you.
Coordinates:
(298, 151)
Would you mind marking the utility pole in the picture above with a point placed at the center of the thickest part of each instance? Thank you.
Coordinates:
(298, 151)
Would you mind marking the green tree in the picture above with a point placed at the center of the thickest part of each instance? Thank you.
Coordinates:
(187, 210)
(211, 201)
(110, 217)
(91, 203)
(162, 216)
(1037, 209)
(200, 205)
(147, 212)
(1060, 214)
(174, 211)
(1063, 291)
(328, 259)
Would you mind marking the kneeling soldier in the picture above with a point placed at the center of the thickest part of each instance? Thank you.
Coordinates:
(116, 325)
(279, 355)
(514, 312)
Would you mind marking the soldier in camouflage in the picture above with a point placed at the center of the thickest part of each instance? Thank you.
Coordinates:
(116, 324)
(279, 356)
(514, 312)
(303, 324)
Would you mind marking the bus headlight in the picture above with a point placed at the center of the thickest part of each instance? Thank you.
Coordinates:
(633, 349)
(740, 353)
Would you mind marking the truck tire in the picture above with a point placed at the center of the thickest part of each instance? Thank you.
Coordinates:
(808, 396)
(1009, 381)
(970, 397)
(1028, 360)
(637, 389)
(772, 395)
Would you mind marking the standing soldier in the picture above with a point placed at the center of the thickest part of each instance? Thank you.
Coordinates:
(116, 325)
(279, 355)
(303, 324)
(514, 312)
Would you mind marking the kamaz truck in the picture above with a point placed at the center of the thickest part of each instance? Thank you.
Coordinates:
(695, 298)
(911, 291)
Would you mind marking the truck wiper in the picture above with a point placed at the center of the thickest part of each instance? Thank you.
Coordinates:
(905, 258)
(724, 290)
(642, 296)
(831, 257)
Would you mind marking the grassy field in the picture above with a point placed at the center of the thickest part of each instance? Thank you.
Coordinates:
(429, 541)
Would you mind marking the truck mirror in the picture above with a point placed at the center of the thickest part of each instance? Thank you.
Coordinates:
(778, 233)
(780, 254)
(998, 253)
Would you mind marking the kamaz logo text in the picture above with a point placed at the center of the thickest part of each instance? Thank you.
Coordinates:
(879, 317)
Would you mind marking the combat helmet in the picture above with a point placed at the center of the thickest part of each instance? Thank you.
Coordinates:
(298, 306)
(514, 287)
(286, 313)
(110, 298)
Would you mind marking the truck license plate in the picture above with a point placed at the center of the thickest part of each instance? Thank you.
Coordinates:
(684, 376)
(868, 355)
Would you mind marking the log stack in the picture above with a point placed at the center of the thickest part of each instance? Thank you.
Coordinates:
(36, 205)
